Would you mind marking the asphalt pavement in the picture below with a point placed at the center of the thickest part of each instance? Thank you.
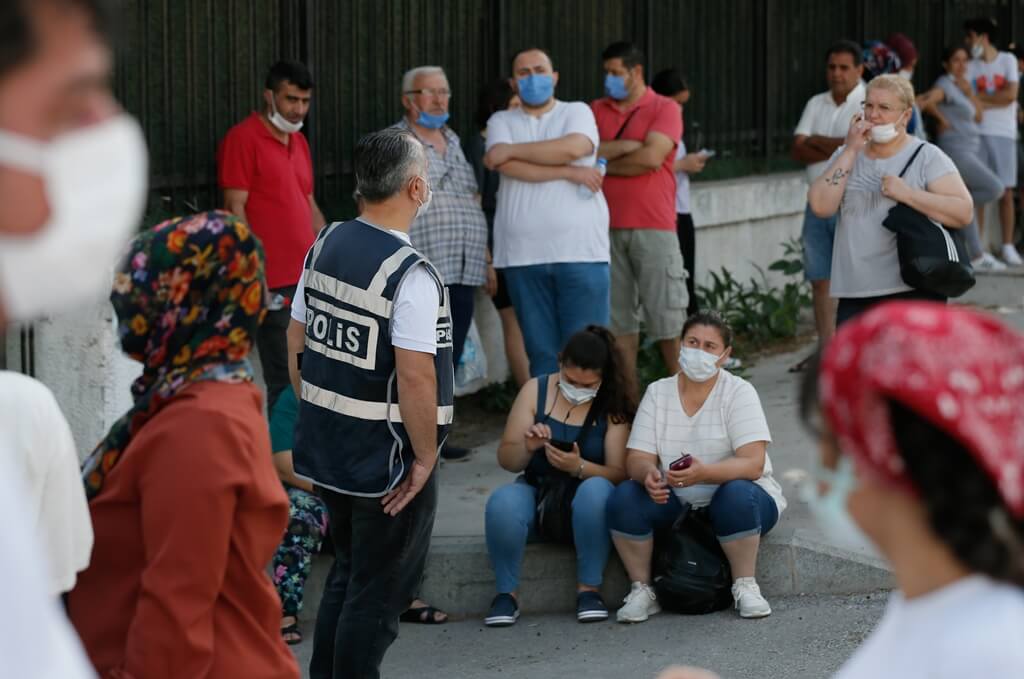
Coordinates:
(806, 637)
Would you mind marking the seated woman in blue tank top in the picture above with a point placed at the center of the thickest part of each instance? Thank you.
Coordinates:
(588, 404)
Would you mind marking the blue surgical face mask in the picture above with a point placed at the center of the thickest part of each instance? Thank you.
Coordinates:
(432, 121)
(615, 87)
(536, 89)
(830, 511)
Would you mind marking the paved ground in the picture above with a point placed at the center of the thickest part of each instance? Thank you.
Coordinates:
(805, 638)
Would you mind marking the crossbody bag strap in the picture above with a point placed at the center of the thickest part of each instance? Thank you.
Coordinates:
(618, 135)
(912, 157)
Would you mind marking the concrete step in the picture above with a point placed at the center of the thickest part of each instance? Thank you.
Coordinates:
(460, 581)
(459, 578)
(997, 289)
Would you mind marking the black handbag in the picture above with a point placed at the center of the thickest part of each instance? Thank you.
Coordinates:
(933, 258)
(692, 574)
(555, 493)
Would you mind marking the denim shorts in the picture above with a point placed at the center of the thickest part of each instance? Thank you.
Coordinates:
(819, 234)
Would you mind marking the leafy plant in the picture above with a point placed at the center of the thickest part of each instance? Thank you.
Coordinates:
(497, 397)
(761, 313)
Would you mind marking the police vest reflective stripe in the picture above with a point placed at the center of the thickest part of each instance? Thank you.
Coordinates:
(350, 436)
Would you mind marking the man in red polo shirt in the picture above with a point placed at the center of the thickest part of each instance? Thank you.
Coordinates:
(265, 170)
(640, 130)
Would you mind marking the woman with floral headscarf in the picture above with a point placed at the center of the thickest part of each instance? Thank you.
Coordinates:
(185, 503)
(921, 410)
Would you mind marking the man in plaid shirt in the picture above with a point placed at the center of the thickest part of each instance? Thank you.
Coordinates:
(452, 233)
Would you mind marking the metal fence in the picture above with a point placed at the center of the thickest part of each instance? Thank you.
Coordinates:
(192, 68)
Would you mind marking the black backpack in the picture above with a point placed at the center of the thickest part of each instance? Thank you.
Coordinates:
(692, 574)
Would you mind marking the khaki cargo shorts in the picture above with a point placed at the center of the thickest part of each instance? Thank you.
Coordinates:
(647, 272)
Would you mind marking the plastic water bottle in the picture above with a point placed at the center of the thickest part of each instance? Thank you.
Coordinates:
(602, 166)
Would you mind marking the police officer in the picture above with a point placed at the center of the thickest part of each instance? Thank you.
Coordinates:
(371, 320)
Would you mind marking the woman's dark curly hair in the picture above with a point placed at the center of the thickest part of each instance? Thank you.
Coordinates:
(963, 505)
(594, 348)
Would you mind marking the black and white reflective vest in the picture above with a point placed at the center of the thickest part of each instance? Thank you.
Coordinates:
(350, 437)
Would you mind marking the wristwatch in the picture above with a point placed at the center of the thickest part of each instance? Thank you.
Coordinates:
(579, 472)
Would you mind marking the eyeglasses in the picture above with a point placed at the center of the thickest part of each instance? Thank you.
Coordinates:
(884, 109)
(442, 93)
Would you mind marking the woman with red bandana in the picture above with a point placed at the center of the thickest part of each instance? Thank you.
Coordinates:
(920, 413)
(184, 500)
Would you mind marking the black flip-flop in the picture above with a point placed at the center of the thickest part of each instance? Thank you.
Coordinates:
(799, 367)
(292, 629)
(424, 615)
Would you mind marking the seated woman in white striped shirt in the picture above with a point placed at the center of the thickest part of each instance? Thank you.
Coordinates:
(716, 419)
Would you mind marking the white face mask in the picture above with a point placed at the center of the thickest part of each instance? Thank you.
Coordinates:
(883, 134)
(830, 511)
(977, 50)
(576, 396)
(96, 180)
(422, 208)
(280, 122)
(697, 364)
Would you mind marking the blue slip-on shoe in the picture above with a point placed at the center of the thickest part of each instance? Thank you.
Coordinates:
(590, 607)
(504, 611)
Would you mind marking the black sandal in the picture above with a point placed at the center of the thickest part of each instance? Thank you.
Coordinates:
(292, 629)
(424, 615)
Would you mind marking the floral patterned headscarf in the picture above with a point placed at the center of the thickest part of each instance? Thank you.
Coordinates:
(189, 298)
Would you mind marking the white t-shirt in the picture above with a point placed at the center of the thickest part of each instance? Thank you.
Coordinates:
(39, 441)
(36, 639)
(989, 78)
(547, 222)
(730, 418)
(413, 314)
(824, 117)
(972, 628)
(682, 184)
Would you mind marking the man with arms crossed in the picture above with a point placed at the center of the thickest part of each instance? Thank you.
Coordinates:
(640, 130)
(550, 235)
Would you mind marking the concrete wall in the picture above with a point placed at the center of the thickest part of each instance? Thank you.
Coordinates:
(743, 222)
(739, 223)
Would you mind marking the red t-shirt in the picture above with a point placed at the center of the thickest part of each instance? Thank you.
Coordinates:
(279, 180)
(646, 201)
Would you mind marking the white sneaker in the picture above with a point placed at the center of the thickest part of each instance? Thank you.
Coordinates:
(640, 604)
(749, 600)
(987, 263)
(1011, 256)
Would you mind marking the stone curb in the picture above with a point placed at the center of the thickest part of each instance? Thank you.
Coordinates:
(460, 581)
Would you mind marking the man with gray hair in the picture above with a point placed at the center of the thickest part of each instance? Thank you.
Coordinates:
(370, 354)
(453, 233)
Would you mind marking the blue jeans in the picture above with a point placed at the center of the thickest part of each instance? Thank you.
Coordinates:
(509, 523)
(738, 510)
(819, 235)
(553, 301)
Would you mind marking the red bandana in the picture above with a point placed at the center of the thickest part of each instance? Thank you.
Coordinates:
(961, 370)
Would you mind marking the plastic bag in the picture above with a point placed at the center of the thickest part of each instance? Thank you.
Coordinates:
(471, 373)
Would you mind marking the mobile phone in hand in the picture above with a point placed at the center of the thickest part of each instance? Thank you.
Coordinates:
(707, 153)
(565, 446)
(682, 463)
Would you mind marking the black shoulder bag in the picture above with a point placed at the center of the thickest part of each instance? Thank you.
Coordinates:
(555, 493)
(932, 257)
(692, 574)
